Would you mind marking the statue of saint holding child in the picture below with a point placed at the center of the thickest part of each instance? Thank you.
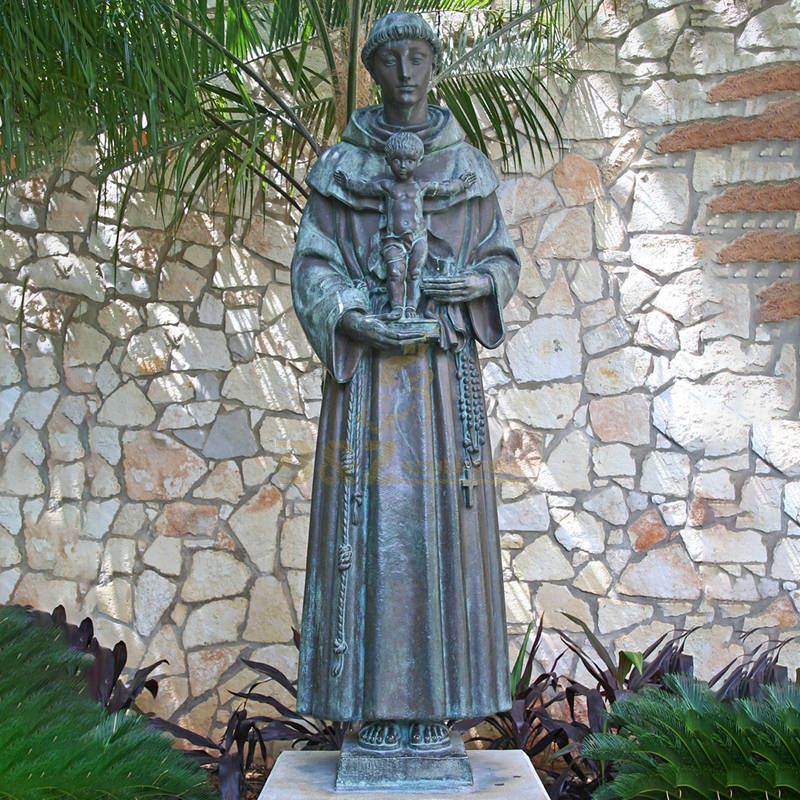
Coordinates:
(404, 621)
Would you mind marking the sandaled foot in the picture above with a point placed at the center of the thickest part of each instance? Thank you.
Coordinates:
(428, 736)
(381, 735)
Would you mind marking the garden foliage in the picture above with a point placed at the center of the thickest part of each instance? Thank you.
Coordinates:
(56, 742)
(686, 742)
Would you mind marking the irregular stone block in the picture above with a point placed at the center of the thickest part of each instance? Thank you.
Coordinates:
(217, 621)
(71, 274)
(654, 38)
(566, 234)
(269, 618)
(264, 383)
(542, 560)
(778, 443)
(594, 578)
(567, 466)
(214, 574)
(581, 531)
(666, 472)
(613, 460)
(647, 531)
(237, 267)
(609, 504)
(180, 283)
(553, 601)
(546, 349)
(621, 419)
(198, 348)
(720, 545)
(577, 180)
(666, 572)
(614, 615)
(127, 407)
(255, 525)
(593, 109)
(84, 345)
(660, 201)
(525, 197)
(617, 372)
(530, 514)
(157, 467)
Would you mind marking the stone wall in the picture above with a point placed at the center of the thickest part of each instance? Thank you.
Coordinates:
(159, 417)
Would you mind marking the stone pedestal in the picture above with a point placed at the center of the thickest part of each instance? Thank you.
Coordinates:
(362, 770)
(497, 774)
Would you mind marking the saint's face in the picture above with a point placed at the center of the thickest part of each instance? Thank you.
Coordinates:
(403, 69)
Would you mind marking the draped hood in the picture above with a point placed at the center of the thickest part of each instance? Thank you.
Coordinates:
(360, 154)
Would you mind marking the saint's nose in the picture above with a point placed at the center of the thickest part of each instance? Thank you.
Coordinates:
(403, 70)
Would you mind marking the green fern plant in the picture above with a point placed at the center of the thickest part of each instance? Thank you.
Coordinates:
(688, 743)
(56, 742)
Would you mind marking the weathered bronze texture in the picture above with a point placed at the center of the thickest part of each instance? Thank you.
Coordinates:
(404, 621)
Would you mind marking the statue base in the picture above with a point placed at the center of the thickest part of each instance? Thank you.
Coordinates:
(361, 769)
(497, 775)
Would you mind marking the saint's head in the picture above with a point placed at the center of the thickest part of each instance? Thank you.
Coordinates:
(402, 53)
(403, 152)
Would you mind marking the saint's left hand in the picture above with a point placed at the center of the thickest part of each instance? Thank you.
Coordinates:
(458, 288)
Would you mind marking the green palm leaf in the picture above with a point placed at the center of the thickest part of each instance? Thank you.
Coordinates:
(234, 98)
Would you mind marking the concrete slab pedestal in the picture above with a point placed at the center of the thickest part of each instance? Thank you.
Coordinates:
(498, 775)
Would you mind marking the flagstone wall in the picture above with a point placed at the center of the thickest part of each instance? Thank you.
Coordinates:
(158, 418)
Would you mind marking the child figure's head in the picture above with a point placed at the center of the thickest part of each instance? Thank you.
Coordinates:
(403, 152)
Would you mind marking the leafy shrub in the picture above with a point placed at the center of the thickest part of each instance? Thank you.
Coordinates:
(56, 742)
(246, 735)
(686, 742)
(103, 675)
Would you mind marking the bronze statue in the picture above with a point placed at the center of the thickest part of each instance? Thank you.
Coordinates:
(404, 621)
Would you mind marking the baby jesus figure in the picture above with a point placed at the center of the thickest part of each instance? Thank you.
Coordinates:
(404, 234)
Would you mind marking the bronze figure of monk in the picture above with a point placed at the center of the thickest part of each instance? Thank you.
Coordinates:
(404, 621)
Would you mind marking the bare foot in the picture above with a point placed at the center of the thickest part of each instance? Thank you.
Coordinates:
(429, 735)
(380, 735)
(395, 313)
(410, 312)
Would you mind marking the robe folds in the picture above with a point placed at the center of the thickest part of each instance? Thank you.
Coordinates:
(404, 615)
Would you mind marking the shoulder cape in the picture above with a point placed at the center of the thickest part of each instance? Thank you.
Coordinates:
(360, 154)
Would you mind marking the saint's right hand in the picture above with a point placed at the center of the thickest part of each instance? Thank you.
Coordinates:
(374, 332)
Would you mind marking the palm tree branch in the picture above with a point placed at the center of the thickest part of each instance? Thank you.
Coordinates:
(251, 73)
(487, 42)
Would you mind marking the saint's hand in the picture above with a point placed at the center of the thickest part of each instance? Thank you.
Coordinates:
(374, 332)
(468, 179)
(458, 288)
(340, 177)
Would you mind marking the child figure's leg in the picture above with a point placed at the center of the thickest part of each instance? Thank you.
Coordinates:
(394, 256)
(416, 261)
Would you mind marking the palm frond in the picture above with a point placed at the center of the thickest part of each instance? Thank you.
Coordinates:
(234, 97)
(515, 105)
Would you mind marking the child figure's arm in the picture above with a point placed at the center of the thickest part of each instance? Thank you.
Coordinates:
(357, 187)
(450, 188)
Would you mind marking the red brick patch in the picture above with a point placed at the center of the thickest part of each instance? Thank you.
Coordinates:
(762, 246)
(777, 196)
(779, 121)
(780, 78)
(780, 301)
